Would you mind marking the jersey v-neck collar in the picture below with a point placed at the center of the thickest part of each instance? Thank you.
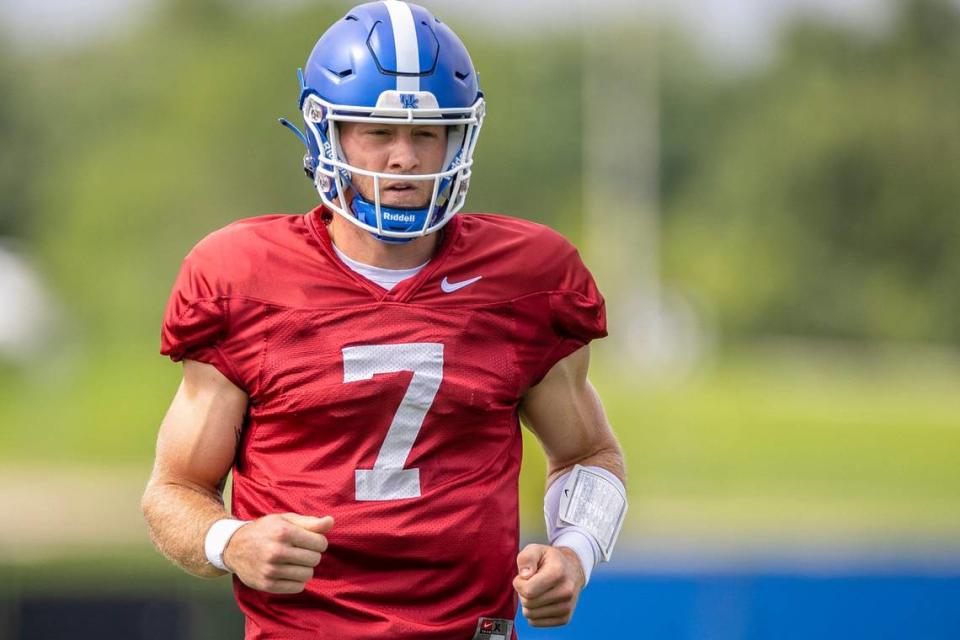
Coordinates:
(386, 278)
(404, 289)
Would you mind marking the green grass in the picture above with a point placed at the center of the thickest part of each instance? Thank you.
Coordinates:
(98, 408)
(778, 443)
(785, 443)
(117, 572)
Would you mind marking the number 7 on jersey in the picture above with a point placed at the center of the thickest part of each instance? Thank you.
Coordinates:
(388, 480)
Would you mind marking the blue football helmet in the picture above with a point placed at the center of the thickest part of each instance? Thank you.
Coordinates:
(390, 63)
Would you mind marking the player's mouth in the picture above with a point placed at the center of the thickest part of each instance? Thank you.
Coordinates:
(405, 194)
(401, 187)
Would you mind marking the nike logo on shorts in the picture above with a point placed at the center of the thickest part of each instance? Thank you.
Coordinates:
(450, 287)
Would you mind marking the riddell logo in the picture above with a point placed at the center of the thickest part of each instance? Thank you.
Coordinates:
(398, 217)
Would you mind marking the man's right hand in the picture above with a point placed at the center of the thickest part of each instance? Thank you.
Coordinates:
(277, 553)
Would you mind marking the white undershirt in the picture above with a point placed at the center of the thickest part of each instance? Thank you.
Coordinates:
(386, 278)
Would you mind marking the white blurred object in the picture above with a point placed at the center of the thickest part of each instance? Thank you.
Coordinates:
(55, 24)
(745, 33)
(654, 331)
(26, 310)
(739, 32)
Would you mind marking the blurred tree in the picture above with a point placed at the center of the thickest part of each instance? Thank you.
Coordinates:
(172, 133)
(815, 196)
(156, 136)
(18, 156)
(820, 196)
(529, 158)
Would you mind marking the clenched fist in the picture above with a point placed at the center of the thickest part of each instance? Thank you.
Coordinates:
(277, 553)
(549, 583)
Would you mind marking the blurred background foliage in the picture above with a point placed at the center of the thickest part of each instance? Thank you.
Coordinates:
(813, 197)
(818, 196)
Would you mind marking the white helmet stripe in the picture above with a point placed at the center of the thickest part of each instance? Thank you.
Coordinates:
(408, 51)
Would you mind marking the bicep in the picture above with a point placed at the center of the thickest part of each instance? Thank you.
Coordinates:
(199, 434)
(566, 414)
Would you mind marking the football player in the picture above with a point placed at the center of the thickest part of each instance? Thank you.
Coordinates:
(363, 368)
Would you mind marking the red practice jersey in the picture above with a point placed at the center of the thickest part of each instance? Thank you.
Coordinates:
(395, 412)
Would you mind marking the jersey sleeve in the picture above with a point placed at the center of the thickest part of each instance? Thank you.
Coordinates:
(576, 311)
(196, 323)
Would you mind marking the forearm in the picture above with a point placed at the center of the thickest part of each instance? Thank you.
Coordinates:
(609, 456)
(178, 517)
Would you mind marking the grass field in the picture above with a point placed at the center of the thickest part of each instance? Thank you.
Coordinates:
(788, 443)
(773, 444)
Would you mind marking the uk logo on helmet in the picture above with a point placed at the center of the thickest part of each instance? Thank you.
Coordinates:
(409, 101)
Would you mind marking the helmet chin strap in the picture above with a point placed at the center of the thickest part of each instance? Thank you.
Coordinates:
(394, 218)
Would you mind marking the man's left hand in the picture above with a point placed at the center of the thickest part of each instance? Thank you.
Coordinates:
(549, 583)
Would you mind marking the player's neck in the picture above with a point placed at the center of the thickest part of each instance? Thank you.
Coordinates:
(361, 246)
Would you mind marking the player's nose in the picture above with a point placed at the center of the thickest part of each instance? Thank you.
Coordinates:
(403, 154)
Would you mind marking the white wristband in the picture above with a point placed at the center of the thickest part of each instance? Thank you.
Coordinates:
(581, 544)
(218, 535)
(587, 549)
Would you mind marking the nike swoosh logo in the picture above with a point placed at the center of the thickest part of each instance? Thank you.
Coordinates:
(450, 287)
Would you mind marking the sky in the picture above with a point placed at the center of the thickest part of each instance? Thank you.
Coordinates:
(735, 30)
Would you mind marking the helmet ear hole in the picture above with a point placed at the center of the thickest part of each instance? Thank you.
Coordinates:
(309, 165)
